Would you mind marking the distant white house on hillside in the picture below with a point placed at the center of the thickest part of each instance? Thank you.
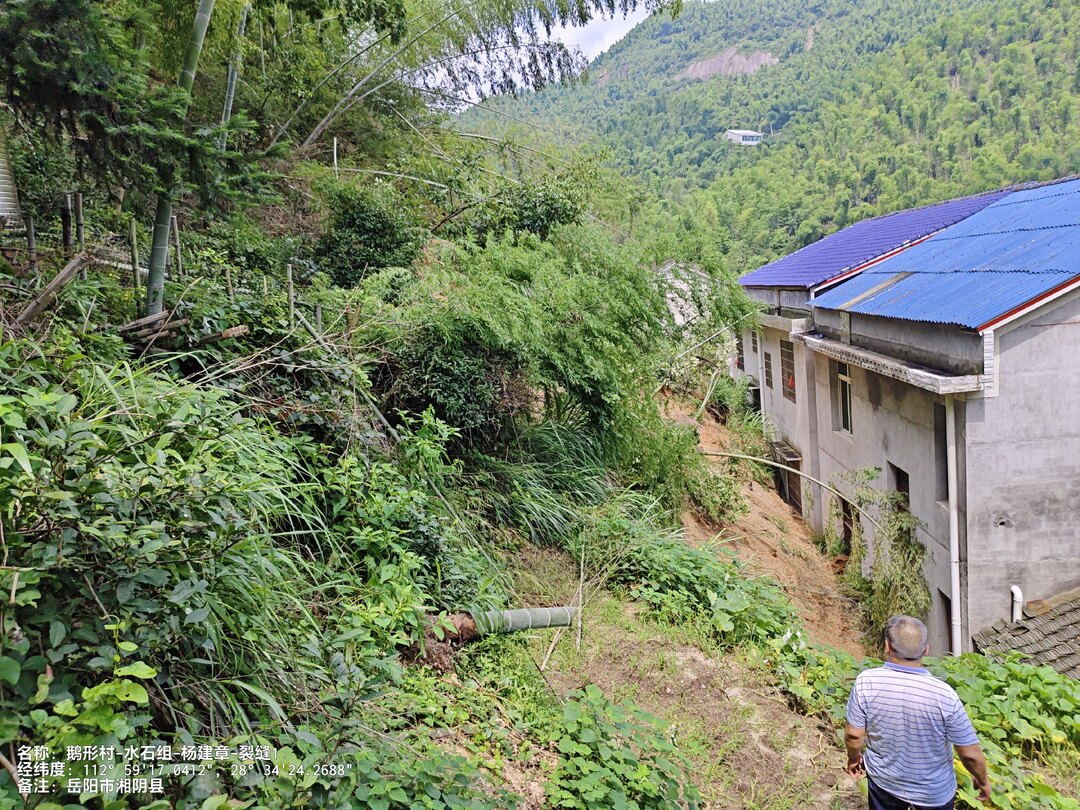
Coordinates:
(744, 137)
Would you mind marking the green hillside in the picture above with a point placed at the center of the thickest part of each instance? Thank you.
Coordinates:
(668, 127)
(893, 105)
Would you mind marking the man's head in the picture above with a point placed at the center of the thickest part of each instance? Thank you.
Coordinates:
(905, 638)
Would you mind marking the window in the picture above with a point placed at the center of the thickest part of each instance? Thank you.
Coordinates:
(900, 482)
(787, 369)
(941, 454)
(739, 362)
(753, 342)
(768, 370)
(842, 413)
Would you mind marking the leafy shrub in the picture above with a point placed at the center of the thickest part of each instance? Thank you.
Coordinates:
(368, 228)
(892, 584)
(468, 385)
(682, 583)
(649, 451)
(536, 207)
(618, 758)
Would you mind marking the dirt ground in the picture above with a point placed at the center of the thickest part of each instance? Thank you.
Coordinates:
(772, 540)
(750, 751)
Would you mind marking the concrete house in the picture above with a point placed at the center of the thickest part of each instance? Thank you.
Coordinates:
(744, 137)
(779, 365)
(941, 346)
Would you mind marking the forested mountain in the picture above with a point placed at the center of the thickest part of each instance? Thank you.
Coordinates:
(301, 391)
(871, 107)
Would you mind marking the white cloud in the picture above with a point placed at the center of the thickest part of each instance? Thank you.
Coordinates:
(599, 35)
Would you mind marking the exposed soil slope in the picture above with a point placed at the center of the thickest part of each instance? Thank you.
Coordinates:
(772, 540)
(728, 63)
(749, 749)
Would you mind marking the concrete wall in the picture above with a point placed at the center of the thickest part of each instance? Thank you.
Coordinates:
(949, 348)
(1023, 451)
(775, 298)
(791, 421)
(891, 422)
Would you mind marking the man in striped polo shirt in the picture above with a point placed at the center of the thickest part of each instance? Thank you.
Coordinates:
(908, 721)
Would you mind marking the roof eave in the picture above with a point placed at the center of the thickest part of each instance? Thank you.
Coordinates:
(933, 380)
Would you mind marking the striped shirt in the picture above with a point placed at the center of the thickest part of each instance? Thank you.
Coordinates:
(911, 719)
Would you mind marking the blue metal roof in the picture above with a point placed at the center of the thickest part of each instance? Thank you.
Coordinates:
(1009, 253)
(859, 243)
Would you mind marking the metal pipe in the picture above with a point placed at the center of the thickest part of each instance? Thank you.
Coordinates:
(808, 477)
(1017, 603)
(956, 627)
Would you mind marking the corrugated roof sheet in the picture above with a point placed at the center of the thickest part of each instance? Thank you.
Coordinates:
(997, 259)
(866, 240)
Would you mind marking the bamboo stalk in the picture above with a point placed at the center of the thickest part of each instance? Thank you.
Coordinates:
(226, 334)
(133, 243)
(178, 260)
(291, 295)
(65, 226)
(45, 297)
(157, 330)
(80, 230)
(231, 76)
(228, 282)
(318, 317)
(31, 244)
(139, 323)
(159, 253)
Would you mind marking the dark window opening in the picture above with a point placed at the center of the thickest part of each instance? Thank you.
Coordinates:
(941, 454)
(739, 362)
(753, 341)
(768, 370)
(900, 482)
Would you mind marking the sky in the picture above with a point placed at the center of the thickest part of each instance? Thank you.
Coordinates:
(599, 35)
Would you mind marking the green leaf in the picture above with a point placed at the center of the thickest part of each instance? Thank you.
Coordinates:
(18, 452)
(9, 670)
(198, 615)
(133, 692)
(57, 632)
(138, 669)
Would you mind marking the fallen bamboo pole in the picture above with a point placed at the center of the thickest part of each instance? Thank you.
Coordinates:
(139, 323)
(46, 296)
